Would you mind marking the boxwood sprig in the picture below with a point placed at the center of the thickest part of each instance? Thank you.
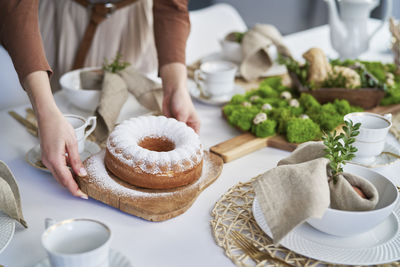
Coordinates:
(339, 148)
(115, 65)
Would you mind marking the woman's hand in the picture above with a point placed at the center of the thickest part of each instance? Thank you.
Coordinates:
(57, 137)
(177, 102)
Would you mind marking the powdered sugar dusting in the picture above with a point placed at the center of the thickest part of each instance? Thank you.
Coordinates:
(123, 144)
(100, 176)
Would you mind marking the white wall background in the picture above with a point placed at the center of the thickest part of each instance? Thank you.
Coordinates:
(287, 15)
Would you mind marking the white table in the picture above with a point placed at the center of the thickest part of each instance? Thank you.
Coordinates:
(182, 241)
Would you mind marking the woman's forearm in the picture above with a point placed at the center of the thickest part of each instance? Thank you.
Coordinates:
(57, 137)
(37, 86)
(173, 76)
(177, 102)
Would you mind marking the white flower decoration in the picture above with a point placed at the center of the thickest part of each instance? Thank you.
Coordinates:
(304, 116)
(246, 104)
(266, 107)
(254, 98)
(294, 103)
(286, 95)
(259, 118)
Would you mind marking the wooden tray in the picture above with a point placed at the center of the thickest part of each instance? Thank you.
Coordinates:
(366, 98)
(152, 205)
(246, 143)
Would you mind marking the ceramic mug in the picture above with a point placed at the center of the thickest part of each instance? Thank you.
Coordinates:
(80, 124)
(372, 137)
(216, 78)
(77, 243)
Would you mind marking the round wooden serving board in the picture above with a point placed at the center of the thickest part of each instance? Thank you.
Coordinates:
(150, 204)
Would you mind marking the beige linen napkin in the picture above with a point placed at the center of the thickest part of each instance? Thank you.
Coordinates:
(343, 196)
(300, 188)
(91, 80)
(255, 44)
(113, 96)
(114, 93)
(10, 200)
(148, 92)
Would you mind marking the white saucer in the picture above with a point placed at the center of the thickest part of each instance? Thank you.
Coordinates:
(116, 259)
(275, 70)
(33, 156)
(377, 246)
(7, 228)
(382, 159)
(220, 100)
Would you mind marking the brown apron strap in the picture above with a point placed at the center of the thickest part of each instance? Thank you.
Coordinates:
(99, 12)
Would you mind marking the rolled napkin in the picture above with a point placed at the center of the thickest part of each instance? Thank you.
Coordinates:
(344, 197)
(10, 200)
(255, 44)
(114, 93)
(300, 188)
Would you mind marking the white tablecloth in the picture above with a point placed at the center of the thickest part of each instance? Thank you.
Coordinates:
(183, 241)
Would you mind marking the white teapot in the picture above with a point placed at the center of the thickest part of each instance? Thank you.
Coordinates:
(349, 33)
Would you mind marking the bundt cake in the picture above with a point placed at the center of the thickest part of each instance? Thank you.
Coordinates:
(154, 152)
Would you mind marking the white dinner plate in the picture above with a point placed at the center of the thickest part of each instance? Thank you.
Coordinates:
(116, 259)
(33, 156)
(275, 70)
(383, 159)
(7, 228)
(217, 101)
(377, 246)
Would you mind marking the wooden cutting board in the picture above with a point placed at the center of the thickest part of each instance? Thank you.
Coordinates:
(149, 204)
(246, 143)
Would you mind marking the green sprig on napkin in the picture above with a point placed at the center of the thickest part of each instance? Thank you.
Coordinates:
(116, 64)
(339, 148)
(300, 187)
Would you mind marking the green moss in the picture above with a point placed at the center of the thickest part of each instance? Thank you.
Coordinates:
(392, 95)
(264, 129)
(308, 101)
(296, 111)
(343, 107)
(273, 82)
(302, 130)
(228, 109)
(242, 117)
(238, 99)
(282, 116)
(326, 116)
(376, 68)
(250, 93)
(266, 91)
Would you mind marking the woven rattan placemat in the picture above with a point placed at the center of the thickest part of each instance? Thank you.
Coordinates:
(233, 212)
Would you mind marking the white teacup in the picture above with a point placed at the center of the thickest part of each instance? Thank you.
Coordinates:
(77, 243)
(216, 78)
(80, 124)
(373, 132)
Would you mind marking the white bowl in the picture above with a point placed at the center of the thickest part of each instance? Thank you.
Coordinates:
(231, 51)
(83, 99)
(348, 223)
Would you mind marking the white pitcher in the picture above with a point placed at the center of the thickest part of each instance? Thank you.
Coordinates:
(349, 33)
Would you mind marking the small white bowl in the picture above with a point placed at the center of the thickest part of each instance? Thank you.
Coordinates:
(348, 223)
(83, 99)
(231, 51)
